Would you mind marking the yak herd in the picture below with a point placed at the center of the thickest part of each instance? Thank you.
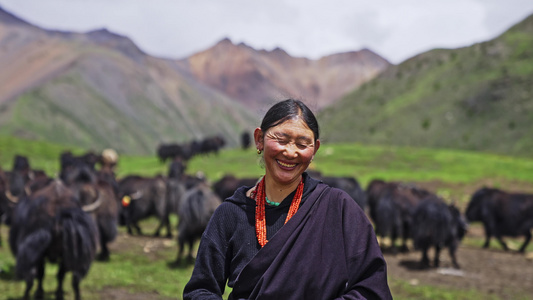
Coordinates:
(71, 219)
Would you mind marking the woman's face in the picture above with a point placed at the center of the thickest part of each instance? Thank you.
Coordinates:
(288, 150)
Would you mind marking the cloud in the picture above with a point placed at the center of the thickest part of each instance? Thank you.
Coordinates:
(394, 29)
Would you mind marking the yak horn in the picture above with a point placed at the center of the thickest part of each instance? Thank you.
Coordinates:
(136, 196)
(11, 198)
(91, 207)
(28, 191)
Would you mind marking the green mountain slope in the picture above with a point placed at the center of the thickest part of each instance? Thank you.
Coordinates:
(476, 98)
(105, 97)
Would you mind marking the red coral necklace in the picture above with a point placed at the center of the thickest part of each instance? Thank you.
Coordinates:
(260, 202)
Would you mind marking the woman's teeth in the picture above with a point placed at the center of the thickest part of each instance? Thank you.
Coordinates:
(286, 165)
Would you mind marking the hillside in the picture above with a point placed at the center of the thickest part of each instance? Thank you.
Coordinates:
(475, 98)
(98, 89)
(257, 77)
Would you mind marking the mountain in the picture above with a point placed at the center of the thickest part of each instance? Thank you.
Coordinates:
(257, 77)
(98, 89)
(475, 98)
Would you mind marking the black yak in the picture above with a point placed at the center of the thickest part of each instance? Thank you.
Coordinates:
(99, 201)
(373, 193)
(502, 214)
(348, 184)
(20, 181)
(97, 197)
(143, 197)
(6, 205)
(212, 144)
(391, 207)
(436, 224)
(51, 225)
(19, 176)
(196, 208)
(174, 151)
(246, 139)
(177, 169)
(226, 186)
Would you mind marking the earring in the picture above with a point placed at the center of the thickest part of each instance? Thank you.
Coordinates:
(258, 151)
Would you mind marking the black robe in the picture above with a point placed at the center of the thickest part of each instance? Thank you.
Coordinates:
(327, 250)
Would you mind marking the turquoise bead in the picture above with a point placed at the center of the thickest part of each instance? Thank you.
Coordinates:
(271, 202)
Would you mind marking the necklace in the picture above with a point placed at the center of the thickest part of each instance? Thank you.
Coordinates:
(260, 218)
(272, 202)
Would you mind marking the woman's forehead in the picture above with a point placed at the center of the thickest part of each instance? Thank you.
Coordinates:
(292, 126)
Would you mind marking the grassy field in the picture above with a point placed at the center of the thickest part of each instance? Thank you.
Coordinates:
(139, 267)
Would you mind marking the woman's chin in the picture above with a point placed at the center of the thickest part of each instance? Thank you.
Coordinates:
(286, 177)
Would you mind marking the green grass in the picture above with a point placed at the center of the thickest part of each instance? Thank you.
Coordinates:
(402, 289)
(42, 155)
(129, 270)
(132, 271)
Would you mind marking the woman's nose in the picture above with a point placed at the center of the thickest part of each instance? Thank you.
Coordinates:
(291, 151)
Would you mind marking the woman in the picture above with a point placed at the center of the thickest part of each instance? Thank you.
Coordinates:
(290, 236)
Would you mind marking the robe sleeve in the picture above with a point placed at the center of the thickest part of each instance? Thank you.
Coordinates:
(367, 269)
(209, 276)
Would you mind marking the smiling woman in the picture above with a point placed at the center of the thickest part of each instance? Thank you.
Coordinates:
(306, 230)
(288, 150)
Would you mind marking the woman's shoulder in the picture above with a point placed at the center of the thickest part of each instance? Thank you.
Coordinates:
(334, 192)
(340, 197)
(236, 203)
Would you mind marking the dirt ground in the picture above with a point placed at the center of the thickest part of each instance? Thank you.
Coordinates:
(504, 275)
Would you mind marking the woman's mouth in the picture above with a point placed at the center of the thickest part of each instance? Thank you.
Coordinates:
(286, 165)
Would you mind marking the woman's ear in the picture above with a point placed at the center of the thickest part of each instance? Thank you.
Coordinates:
(258, 138)
(317, 145)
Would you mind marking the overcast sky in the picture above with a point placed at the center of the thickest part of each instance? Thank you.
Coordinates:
(395, 29)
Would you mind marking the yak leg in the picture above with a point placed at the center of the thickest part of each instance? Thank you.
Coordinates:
(137, 228)
(169, 229)
(131, 222)
(452, 250)
(526, 242)
(191, 244)
(162, 210)
(181, 244)
(397, 231)
(488, 234)
(424, 263)
(39, 293)
(161, 224)
(76, 278)
(60, 277)
(165, 222)
(502, 242)
(437, 255)
(2, 220)
(405, 236)
(104, 252)
(29, 285)
(128, 226)
(487, 241)
(393, 236)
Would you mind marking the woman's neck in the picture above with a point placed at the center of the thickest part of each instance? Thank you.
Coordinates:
(276, 192)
